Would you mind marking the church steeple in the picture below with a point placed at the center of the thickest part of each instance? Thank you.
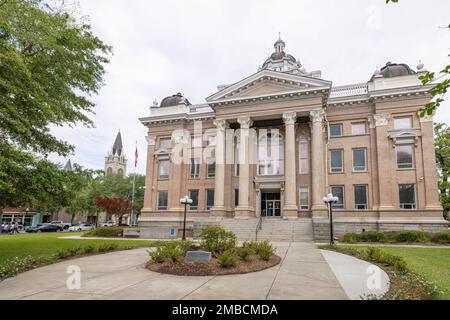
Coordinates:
(115, 161)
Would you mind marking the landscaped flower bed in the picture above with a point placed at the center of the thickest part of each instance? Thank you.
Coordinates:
(169, 257)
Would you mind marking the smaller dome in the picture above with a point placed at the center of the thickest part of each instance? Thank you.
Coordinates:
(174, 100)
(391, 70)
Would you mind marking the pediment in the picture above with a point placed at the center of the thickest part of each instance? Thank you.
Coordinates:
(405, 136)
(268, 82)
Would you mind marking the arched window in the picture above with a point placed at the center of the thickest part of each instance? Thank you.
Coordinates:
(271, 154)
(120, 171)
(109, 170)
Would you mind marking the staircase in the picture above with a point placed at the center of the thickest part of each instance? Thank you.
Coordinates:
(295, 230)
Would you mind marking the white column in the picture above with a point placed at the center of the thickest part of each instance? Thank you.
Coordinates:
(244, 167)
(318, 160)
(290, 198)
(219, 200)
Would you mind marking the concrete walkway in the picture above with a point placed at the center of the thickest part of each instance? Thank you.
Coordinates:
(303, 274)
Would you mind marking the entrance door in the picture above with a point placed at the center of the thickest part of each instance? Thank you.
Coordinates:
(271, 205)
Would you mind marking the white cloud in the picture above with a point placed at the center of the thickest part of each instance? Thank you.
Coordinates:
(162, 47)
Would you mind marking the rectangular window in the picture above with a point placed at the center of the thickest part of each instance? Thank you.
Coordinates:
(407, 194)
(236, 197)
(359, 128)
(359, 160)
(164, 169)
(338, 192)
(405, 156)
(403, 123)
(165, 143)
(193, 194)
(196, 142)
(335, 130)
(304, 199)
(195, 168)
(209, 199)
(360, 197)
(304, 157)
(336, 161)
(162, 200)
(211, 168)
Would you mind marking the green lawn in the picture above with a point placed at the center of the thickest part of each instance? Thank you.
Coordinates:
(432, 263)
(46, 244)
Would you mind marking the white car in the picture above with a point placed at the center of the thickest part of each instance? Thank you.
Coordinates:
(82, 227)
(108, 224)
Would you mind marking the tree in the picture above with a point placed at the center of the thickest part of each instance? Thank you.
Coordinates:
(50, 64)
(114, 206)
(439, 90)
(442, 147)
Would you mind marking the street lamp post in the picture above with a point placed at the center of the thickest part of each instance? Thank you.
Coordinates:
(186, 201)
(330, 200)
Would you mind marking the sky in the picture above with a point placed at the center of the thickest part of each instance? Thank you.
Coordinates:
(191, 46)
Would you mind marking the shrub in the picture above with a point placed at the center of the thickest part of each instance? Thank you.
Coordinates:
(412, 236)
(244, 252)
(159, 255)
(62, 253)
(265, 250)
(217, 240)
(107, 247)
(13, 266)
(89, 249)
(227, 259)
(74, 251)
(351, 238)
(173, 252)
(252, 245)
(441, 237)
(106, 232)
(377, 255)
(372, 236)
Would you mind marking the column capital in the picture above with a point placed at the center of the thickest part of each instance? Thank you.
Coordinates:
(245, 122)
(221, 124)
(151, 140)
(317, 115)
(290, 117)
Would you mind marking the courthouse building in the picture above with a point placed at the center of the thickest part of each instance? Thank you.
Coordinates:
(274, 144)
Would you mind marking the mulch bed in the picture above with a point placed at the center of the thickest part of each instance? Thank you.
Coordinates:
(212, 268)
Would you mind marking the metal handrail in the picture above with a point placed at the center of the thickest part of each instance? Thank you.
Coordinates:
(258, 227)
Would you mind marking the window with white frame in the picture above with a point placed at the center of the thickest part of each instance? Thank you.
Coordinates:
(195, 168)
(211, 168)
(338, 191)
(162, 200)
(209, 199)
(403, 122)
(407, 195)
(193, 194)
(405, 156)
(271, 154)
(304, 157)
(164, 169)
(337, 160)
(359, 160)
(304, 198)
(196, 141)
(358, 128)
(335, 130)
(360, 197)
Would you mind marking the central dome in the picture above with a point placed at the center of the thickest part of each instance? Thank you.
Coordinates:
(280, 60)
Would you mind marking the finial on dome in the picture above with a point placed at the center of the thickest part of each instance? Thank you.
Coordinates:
(420, 66)
(155, 103)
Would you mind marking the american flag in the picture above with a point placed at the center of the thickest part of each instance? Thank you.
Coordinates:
(135, 157)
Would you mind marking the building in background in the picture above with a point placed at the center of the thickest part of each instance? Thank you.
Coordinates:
(364, 143)
(116, 161)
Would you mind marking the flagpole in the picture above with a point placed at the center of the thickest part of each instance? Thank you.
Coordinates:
(134, 188)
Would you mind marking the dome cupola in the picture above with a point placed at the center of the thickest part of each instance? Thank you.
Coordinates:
(174, 100)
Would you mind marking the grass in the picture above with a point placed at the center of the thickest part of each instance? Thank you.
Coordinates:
(44, 245)
(430, 263)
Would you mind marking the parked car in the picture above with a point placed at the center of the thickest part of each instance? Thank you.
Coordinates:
(108, 224)
(63, 225)
(45, 227)
(82, 227)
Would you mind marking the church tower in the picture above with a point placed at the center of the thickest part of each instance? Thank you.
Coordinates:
(115, 161)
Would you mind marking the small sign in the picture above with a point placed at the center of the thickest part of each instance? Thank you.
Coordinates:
(172, 232)
(198, 256)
